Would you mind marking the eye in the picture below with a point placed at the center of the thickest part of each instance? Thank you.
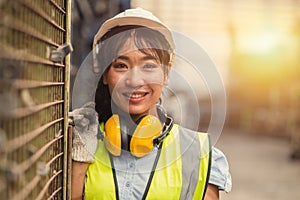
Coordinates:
(120, 66)
(150, 66)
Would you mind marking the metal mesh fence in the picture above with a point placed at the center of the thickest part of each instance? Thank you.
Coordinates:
(32, 99)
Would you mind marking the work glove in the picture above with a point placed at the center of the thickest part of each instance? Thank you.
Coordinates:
(85, 122)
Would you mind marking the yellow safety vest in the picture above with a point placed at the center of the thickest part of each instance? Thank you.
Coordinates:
(181, 172)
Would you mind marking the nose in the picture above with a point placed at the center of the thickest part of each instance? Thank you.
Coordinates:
(134, 78)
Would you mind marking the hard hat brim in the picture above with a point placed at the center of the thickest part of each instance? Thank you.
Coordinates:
(131, 20)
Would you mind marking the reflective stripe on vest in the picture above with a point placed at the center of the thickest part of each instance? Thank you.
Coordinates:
(181, 173)
(99, 176)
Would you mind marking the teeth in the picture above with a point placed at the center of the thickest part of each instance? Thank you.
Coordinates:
(136, 95)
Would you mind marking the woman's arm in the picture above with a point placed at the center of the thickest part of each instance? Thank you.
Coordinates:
(212, 192)
(78, 175)
(220, 178)
(219, 174)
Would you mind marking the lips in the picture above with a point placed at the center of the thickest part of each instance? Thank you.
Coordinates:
(135, 95)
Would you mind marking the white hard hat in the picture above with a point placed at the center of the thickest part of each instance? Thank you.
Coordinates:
(134, 16)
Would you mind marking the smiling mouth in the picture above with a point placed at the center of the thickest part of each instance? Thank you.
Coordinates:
(135, 95)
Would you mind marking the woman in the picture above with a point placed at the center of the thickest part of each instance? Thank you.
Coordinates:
(139, 152)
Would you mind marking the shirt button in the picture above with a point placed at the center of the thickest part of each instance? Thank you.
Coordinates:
(131, 165)
(127, 184)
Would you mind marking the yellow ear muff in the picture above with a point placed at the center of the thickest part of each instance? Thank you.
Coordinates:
(112, 139)
(142, 139)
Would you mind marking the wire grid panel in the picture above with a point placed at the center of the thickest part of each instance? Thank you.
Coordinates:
(32, 99)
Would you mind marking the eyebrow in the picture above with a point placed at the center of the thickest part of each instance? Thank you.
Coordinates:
(146, 57)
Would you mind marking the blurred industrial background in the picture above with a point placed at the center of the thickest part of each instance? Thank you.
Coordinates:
(34, 99)
(254, 44)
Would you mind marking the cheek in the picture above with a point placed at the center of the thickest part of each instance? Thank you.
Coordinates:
(112, 80)
(155, 78)
(157, 88)
(113, 85)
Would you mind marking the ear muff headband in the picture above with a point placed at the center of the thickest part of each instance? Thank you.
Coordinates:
(141, 142)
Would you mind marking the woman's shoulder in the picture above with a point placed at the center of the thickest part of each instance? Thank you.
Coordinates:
(187, 132)
(220, 174)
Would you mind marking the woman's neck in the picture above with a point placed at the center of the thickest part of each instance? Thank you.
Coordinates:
(132, 118)
(152, 111)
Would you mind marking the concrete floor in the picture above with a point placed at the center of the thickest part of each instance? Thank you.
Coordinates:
(260, 167)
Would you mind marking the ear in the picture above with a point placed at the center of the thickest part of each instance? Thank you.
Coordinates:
(167, 74)
(104, 79)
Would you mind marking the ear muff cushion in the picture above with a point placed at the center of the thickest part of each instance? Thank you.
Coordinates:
(112, 135)
(142, 139)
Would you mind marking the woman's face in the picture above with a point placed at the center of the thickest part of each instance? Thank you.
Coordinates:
(135, 81)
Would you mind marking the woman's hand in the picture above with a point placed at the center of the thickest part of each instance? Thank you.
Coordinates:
(212, 192)
(85, 122)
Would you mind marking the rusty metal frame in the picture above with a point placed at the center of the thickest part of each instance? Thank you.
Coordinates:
(35, 144)
(67, 136)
